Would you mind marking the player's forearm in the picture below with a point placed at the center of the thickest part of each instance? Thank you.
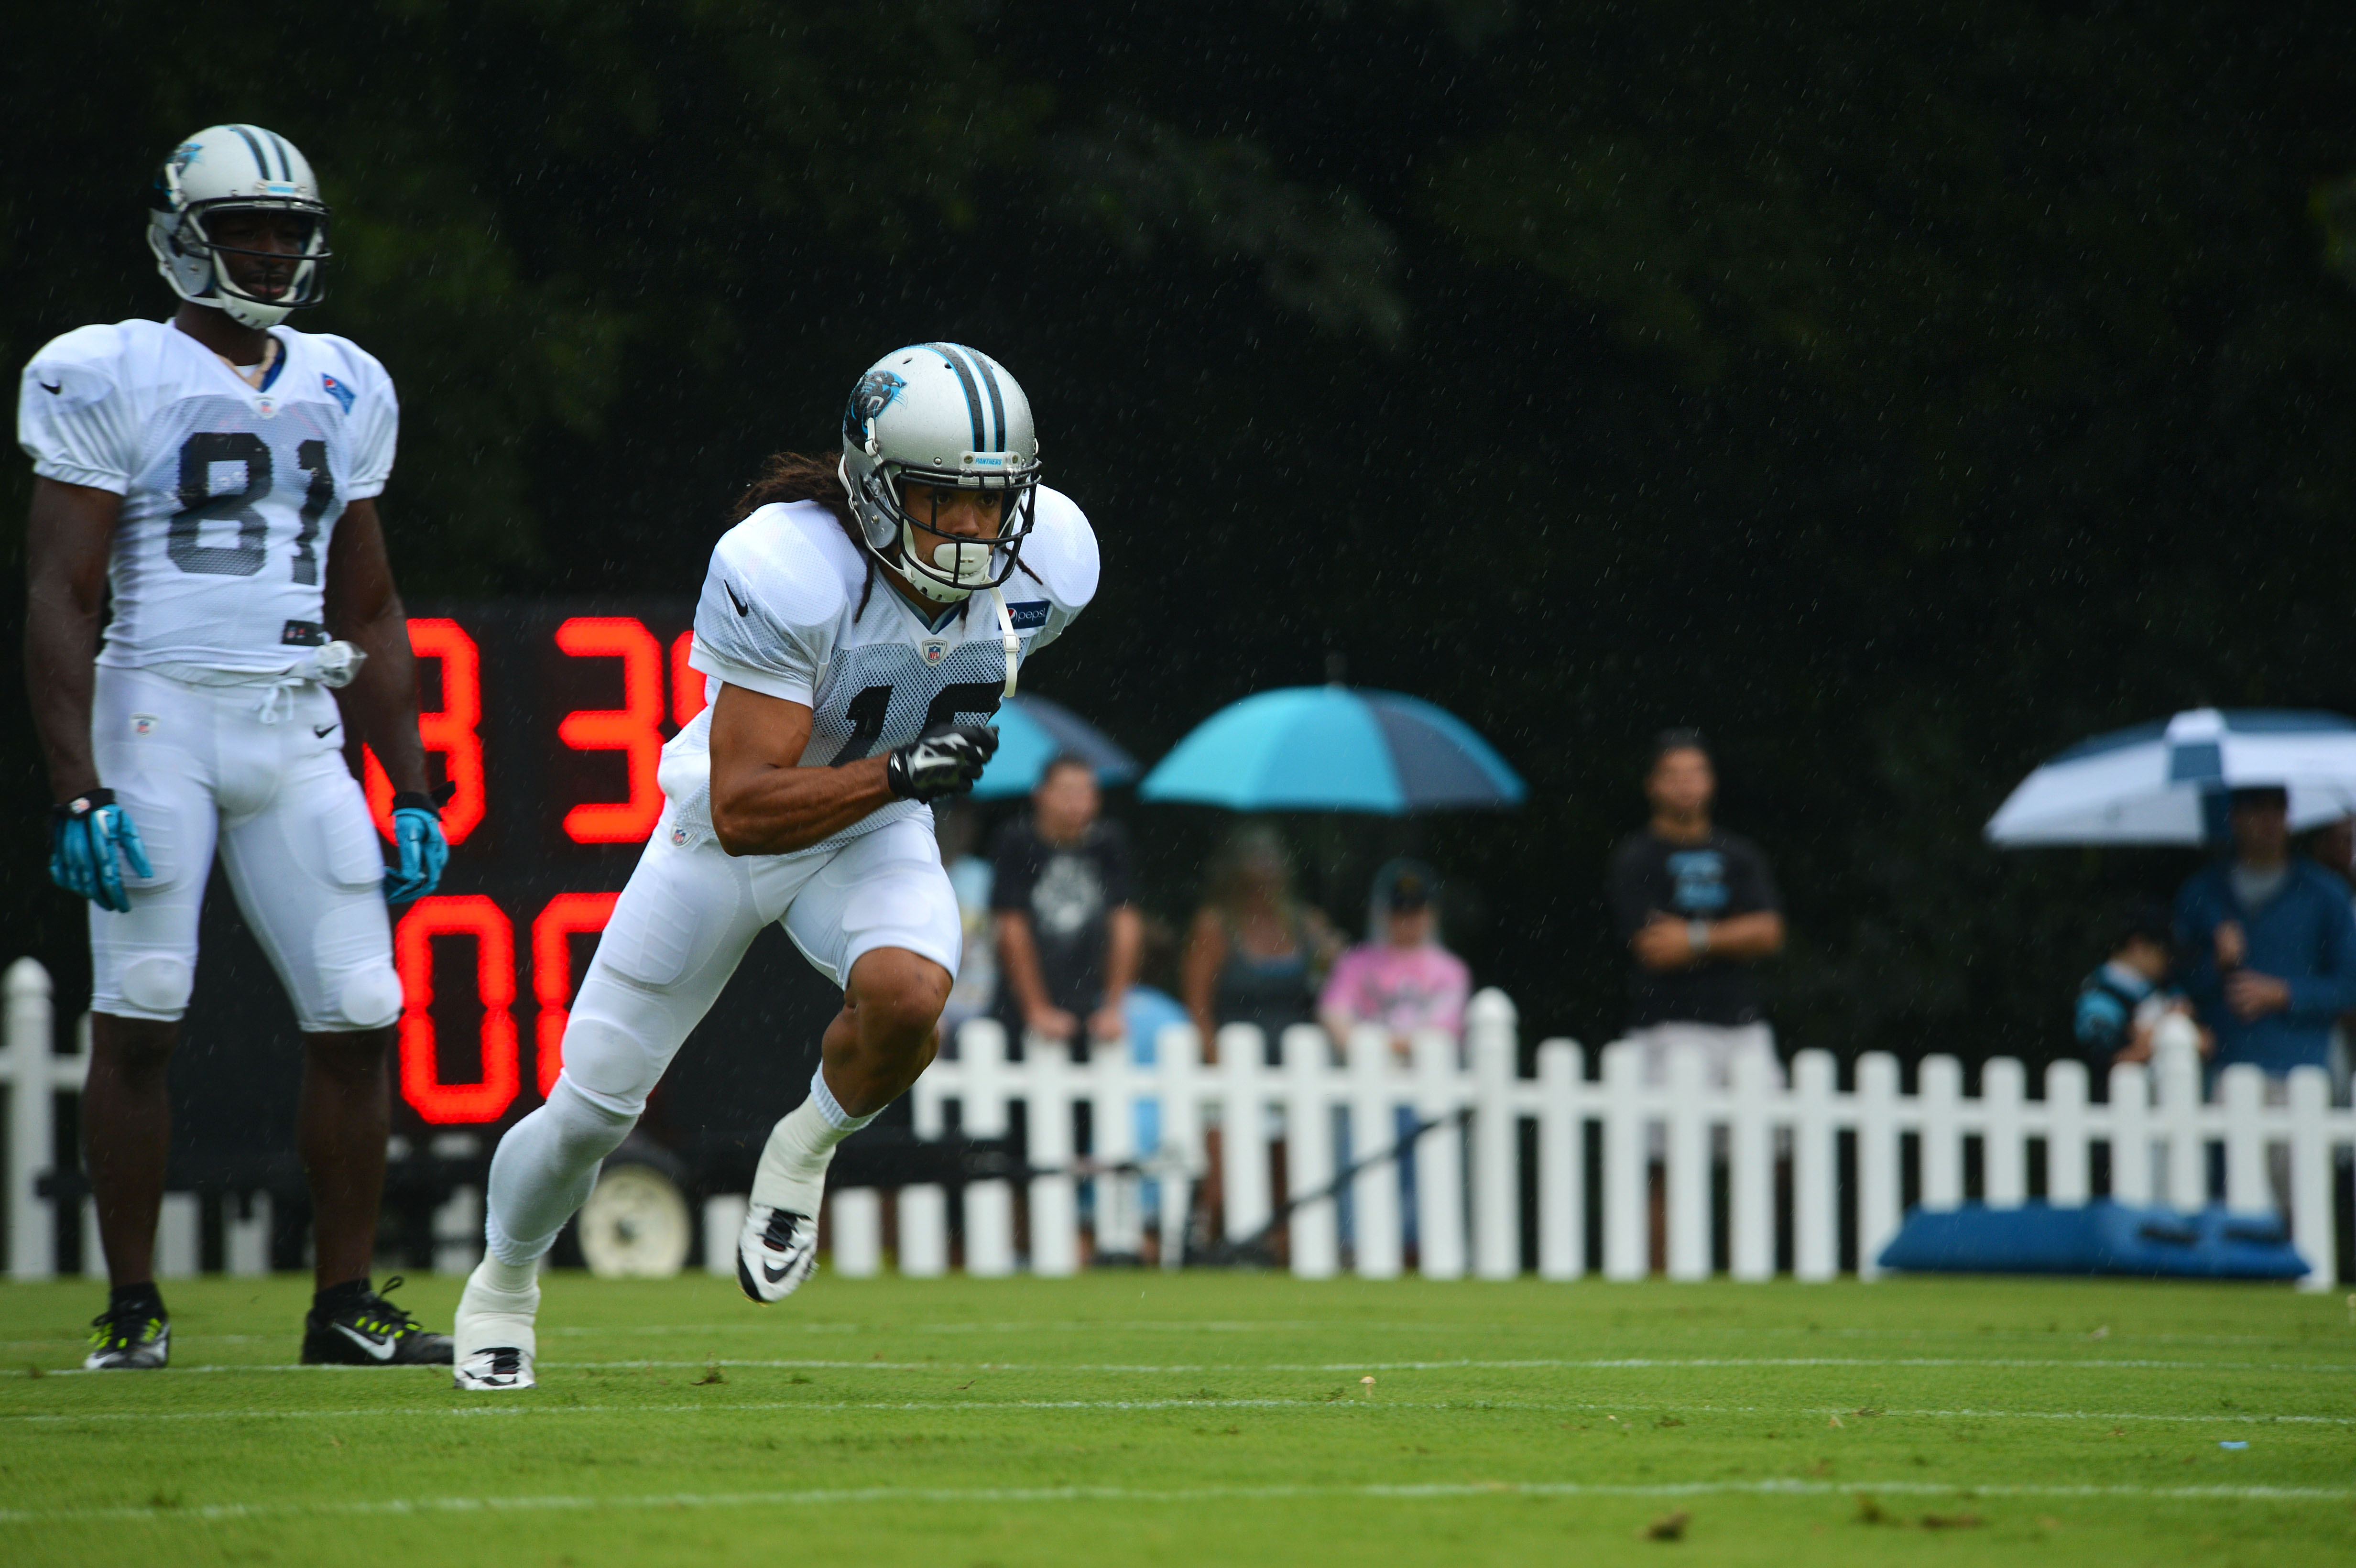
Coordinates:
(771, 810)
(61, 651)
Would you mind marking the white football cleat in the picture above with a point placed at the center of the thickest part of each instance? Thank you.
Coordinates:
(492, 1340)
(775, 1251)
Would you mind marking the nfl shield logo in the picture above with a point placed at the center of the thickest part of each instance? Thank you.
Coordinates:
(143, 724)
(934, 649)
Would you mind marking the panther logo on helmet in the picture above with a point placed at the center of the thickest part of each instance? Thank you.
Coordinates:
(868, 400)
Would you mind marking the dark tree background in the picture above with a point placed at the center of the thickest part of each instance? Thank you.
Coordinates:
(1899, 393)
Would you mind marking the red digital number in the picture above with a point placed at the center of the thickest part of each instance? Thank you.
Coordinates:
(567, 915)
(630, 729)
(686, 684)
(451, 731)
(467, 915)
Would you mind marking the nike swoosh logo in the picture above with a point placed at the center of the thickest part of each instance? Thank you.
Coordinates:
(322, 730)
(53, 391)
(378, 1349)
(742, 608)
(774, 1274)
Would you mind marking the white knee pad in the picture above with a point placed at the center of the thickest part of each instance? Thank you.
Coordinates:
(371, 997)
(610, 1067)
(159, 983)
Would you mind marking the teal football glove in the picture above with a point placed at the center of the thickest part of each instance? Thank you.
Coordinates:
(86, 833)
(417, 838)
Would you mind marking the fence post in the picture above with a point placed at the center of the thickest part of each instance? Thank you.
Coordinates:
(855, 1231)
(1562, 1164)
(2241, 1089)
(921, 1212)
(2004, 1151)
(1054, 1196)
(1490, 1031)
(2310, 1178)
(2130, 1109)
(2176, 1054)
(1111, 1091)
(25, 1056)
(1439, 1160)
(1877, 1188)
(1374, 1241)
(1178, 1060)
(989, 1205)
(1939, 1088)
(1314, 1232)
(1816, 1229)
(1626, 1242)
(1687, 1171)
(2067, 1178)
(1242, 1129)
(1750, 1168)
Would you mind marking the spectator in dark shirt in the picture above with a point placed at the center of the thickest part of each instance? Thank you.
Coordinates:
(2269, 943)
(2121, 1003)
(1068, 934)
(1697, 907)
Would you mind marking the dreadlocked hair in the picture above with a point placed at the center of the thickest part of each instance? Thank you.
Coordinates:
(800, 477)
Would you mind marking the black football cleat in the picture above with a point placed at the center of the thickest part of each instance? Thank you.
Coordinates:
(134, 1339)
(371, 1332)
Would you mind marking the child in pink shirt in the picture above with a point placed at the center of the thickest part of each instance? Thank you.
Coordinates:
(1404, 983)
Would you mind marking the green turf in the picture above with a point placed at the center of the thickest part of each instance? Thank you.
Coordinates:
(1212, 1418)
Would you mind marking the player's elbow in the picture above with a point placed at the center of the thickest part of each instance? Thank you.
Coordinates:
(738, 829)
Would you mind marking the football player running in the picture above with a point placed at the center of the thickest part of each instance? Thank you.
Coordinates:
(217, 476)
(799, 796)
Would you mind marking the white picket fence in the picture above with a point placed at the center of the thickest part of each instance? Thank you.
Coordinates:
(1467, 1199)
(1468, 1170)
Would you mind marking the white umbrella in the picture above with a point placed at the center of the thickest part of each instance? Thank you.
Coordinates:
(2150, 784)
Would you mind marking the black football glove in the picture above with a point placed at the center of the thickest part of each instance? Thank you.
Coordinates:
(944, 760)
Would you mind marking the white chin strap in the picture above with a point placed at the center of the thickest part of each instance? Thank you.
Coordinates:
(1007, 640)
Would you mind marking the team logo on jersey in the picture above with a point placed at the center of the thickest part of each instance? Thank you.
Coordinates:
(144, 723)
(934, 649)
(338, 391)
(265, 405)
(679, 837)
(870, 398)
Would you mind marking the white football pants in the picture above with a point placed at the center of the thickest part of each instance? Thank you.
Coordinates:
(678, 933)
(259, 774)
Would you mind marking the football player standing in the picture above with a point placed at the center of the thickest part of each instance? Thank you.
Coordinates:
(800, 796)
(216, 477)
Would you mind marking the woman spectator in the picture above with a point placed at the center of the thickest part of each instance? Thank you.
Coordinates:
(1401, 978)
(1255, 950)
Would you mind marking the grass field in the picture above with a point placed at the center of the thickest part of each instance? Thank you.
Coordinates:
(1213, 1418)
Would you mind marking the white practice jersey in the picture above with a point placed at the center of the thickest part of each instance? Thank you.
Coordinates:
(230, 494)
(779, 615)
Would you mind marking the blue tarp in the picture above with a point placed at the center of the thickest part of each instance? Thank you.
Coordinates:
(2101, 1238)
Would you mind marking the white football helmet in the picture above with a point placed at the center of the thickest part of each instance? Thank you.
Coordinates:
(226, 167)
(946, 416)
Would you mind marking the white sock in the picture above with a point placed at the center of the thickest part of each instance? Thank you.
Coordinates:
(792, 1173)
(508, 1279)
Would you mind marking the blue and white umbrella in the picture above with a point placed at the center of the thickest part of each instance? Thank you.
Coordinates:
(2162, 783)
(1333, 748)
(1032, 732)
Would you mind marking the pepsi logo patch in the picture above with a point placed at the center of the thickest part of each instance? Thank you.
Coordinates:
(934, 649)
(144, 723)
(1028, 616)
(338, 391)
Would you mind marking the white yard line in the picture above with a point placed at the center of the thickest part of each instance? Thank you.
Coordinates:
(1534, 1363)
(1962, 1490)
(528, 1404)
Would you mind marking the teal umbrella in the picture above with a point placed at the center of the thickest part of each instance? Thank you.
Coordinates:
(1334, 748)
(1032, 732)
